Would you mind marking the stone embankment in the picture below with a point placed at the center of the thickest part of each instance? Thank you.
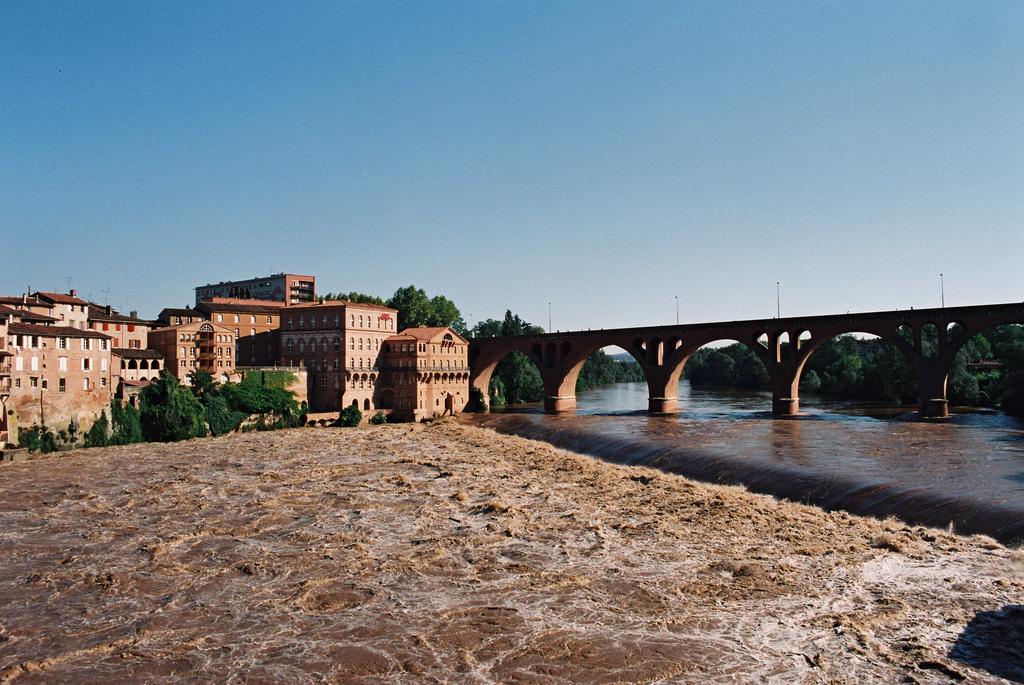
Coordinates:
(449, 553)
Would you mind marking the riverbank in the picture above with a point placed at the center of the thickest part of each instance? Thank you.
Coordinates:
(450, 553)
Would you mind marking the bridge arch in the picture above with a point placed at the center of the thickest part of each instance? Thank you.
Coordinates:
(955, 345)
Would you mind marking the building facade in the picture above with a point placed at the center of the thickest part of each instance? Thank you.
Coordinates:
(126, 332)
(255, 324)
(68, 310)
(425, 372)
(287, 288)
(338, 343)
(201, 345)
(58, 374)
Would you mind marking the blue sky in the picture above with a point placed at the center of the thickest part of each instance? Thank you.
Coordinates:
(603, 156)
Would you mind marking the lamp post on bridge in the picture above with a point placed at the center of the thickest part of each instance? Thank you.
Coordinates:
(549, 317)
(677, 309)
(778, 301)
(942, 291)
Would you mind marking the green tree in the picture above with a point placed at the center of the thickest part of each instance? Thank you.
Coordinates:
(125, 422)
(202, 383)
(416, 309)
(170, 412)
(413, 306)
(352, 297)
(97, 433)
(219, 417)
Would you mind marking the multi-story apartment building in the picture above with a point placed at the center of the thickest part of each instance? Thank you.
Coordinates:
(255, 324)
(424, 371)
(57, 373)
(126, 332)
(287, 288)
(338, 343)
(69, 310)
(202, 345)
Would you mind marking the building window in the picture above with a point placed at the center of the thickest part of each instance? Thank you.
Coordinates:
(85, 383)
(62, 343)
(33, 382)
(236, 318)
(34, 365)
(62, 364)
(220, 318)
(270, 319)
(86, 364)
(103, 382)
(62, 385)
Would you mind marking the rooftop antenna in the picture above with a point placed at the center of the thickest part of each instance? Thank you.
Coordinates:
(68, 279)
(106, 296)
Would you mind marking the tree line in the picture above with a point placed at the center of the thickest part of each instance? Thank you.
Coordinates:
(169, 412)
(415, 307)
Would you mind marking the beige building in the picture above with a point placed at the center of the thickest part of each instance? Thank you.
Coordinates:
(126, 332)
(68, 310)
(202, 345)
(58, 374)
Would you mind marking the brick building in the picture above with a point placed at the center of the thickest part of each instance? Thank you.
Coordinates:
(338, 343)
(255, 324)
(287, 288)
(202, 345)
(425, 371)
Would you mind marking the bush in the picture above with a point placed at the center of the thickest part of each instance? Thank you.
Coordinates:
(127, 427)
(351, 416)
(170, 412)
(250, 398)
(379, 418)
(97, 435)
(38, 439)
(219, 417)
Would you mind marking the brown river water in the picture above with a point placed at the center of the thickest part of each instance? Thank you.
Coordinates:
(451, 554)
(967, 471)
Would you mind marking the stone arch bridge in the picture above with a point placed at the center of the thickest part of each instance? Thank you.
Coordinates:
(784, 345)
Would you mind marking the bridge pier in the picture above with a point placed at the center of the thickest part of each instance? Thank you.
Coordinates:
(559, 405)
(931, 386)
(785, 406)
(662, 405)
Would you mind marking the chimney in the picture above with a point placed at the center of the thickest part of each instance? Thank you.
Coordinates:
(73, 293)
(134, 313)
(108, 310)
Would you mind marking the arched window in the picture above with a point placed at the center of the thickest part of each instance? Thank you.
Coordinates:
(352, 343)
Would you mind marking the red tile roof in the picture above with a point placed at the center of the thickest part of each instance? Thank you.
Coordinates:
(53, 331)
(27, 301)
(61, 298)
(99, 313)
(426, 333)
